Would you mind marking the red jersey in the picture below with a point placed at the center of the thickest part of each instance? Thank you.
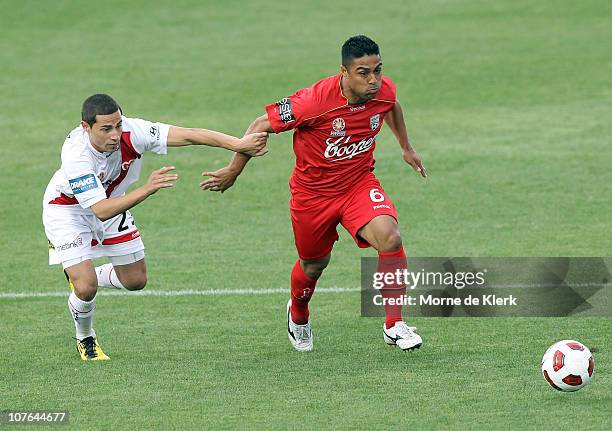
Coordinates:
(333, 141)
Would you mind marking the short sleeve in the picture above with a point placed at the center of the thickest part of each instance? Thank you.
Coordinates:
(85, 186)
(147, 136)
(291, 112)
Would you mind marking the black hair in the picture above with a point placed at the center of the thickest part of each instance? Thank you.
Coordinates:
(357, 47)
(98, 104)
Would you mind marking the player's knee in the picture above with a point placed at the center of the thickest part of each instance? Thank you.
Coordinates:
(314, 269)
(137, 282)
(313, 272)
(85, 285)
(391, 241)
(85, 291)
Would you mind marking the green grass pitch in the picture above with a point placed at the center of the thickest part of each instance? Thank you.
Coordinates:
(508, 103)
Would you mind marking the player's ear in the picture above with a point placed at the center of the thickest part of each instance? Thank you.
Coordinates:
(343, 70)
(85, 125)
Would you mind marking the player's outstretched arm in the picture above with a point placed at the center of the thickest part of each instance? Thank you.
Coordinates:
(159, 179)
(395, 120)
(252, 144)
(222, 179)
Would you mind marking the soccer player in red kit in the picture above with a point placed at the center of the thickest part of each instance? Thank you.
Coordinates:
(335, 125)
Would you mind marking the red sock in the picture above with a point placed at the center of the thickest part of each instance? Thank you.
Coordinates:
(302, 288)
(391, 262)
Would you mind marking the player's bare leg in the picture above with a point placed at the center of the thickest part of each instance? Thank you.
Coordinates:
(382, 233)
(84, 281)
(132, 276)
(304, 277)
(82, 306)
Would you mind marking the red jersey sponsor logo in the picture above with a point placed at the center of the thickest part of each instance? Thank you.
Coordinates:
(341, 149)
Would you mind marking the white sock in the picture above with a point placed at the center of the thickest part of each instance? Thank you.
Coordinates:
(107, 277)
(83, 315)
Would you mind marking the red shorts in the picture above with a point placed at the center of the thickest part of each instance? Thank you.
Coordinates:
(315, 217)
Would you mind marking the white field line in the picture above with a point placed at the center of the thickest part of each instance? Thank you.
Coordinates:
(249, 292)
(186, 292)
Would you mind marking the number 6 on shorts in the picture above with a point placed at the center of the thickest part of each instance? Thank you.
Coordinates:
(376, 195)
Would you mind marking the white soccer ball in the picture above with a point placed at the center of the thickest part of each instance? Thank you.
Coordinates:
(568, 365)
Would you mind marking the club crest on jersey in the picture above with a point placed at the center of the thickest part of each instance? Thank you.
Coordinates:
(374, 121)
(338, 126)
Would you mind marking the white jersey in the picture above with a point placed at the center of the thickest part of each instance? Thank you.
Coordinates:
(88, 176)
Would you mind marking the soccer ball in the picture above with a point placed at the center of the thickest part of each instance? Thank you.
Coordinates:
(568, 365)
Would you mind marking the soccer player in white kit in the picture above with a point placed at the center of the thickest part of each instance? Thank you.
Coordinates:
(86, 204)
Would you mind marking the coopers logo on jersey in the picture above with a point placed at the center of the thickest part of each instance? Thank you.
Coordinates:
(82, 184)
(337, 149)
(338, 126)
(284, 110)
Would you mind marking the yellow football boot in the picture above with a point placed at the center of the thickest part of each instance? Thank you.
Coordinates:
(90, 350)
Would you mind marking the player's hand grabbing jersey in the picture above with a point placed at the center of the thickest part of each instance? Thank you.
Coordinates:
(333, 141)
(88, 176)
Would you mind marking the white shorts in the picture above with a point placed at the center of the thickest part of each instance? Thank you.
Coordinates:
(75, 236)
